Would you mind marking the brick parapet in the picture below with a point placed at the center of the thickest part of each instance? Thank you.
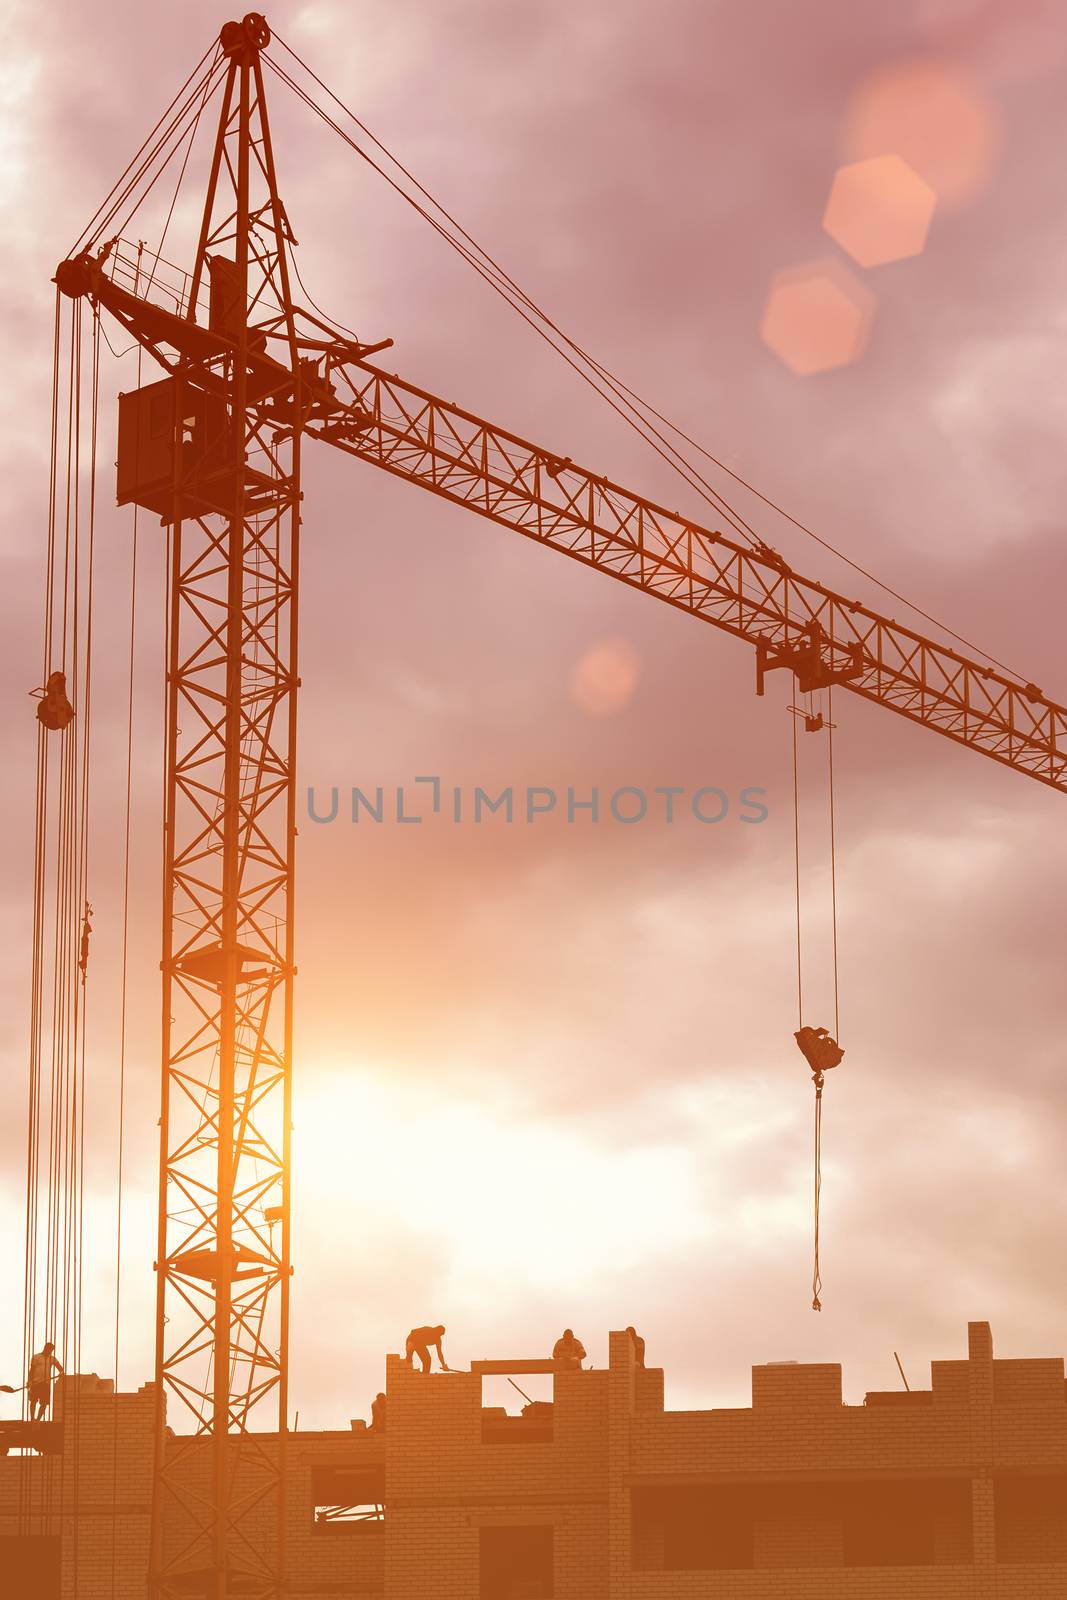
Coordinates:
(987, 1428)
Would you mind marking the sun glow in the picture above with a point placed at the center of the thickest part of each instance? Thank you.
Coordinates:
(490, 1182)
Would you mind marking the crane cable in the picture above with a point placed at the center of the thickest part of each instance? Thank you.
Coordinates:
(141, 162)
(624, 400)
(54, 1255)
(506, 286)
(75, 1292)
(37, 964)
(205, 87)
(817, 1075)
(833, 853)
(123, 985)
(501, 285)
(189, 142)
(816, 1281)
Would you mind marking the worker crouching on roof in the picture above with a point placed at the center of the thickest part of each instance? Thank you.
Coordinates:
(420, 1341)
(567, 1350)
(39, 1381)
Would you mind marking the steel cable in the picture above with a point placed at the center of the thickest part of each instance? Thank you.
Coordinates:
(95, 226)
(503, 283)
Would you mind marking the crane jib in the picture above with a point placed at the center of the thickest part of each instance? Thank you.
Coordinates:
(793, 622)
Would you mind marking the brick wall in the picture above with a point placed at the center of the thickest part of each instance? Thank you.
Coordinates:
(957, 1491)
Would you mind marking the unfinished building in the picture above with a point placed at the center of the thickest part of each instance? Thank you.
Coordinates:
(955, 1492)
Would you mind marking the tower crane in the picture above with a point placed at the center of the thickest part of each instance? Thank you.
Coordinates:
(213, 448)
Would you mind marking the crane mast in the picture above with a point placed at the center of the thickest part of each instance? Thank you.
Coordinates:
(195, 449)
(214, 449)
(223, 1267)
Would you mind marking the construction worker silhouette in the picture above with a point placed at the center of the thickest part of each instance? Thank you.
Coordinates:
(377, 1414)
(420, 1341)
(568, 1350)
(39, 1381)
(639, 1347)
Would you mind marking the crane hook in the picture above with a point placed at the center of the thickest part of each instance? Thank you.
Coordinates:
(54, 710)
(819, 1050)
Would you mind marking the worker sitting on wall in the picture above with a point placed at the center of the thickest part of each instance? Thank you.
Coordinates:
(567, 1350)
(420, 1341)
(39, 1383)
(377, 1414)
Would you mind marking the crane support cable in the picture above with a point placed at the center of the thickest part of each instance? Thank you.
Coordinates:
(833, 854)
(123, 987)
(816, 1274)
(622, 400)
(821, 1050)
(618, 403)
(639, 409)
(796, 873)
(817, 1077)
(54, 1262)
(141, 162)
(189, 139)
(184, 135)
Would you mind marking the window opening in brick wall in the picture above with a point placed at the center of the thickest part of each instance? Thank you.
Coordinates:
(346, 1499)
(515, 1563)
(701, 1529)
(910, 1523)
(517, 1411)
(30, 1566)
(1031, 1518)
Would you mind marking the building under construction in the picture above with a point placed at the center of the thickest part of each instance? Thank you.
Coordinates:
(953, 1492)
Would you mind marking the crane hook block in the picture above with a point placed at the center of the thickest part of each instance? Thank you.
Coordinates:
(54, 710)
(818, 1049)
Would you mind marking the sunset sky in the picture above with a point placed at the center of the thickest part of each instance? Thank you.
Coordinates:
(545, 1074)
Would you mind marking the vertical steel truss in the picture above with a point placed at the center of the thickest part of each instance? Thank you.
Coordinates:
(223, 1251)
